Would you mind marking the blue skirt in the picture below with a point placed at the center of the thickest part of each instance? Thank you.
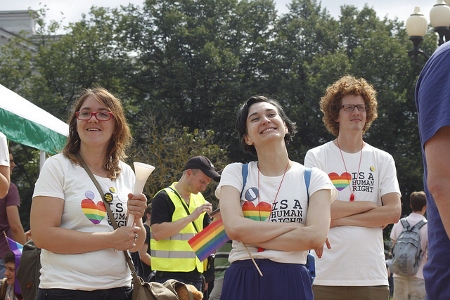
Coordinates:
(242, 281)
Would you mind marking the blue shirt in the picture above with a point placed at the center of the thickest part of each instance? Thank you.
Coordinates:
(433, 107)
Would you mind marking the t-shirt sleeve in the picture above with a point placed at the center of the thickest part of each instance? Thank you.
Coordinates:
(12, 198)
(388, 176)
(51, 180)
(394, 231)
(310, 160)
(231, 175)
(162, 208)
(321, 181)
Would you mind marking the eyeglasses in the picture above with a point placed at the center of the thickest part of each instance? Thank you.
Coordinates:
(99, 115)
(351, 107)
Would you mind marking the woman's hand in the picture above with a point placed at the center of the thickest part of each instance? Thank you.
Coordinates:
(125, 237)
(136, 205)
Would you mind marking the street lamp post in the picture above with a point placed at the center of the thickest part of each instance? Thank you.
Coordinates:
(440, 20)
(416, 25)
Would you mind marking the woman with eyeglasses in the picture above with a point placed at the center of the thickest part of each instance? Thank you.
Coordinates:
(81, 252)
(270, 212)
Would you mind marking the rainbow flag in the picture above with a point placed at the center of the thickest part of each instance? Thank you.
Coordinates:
(207, 241)
(17, 249)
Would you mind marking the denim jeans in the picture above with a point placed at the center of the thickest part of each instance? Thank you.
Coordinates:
(122, 293)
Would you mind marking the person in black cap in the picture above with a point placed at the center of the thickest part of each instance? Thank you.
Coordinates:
(179, 212)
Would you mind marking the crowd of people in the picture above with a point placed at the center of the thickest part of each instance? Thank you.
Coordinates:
(350, 194)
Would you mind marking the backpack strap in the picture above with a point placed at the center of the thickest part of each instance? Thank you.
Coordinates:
(405, 223)
(307, 176)
(310, 260)
(420, 224)
(244, 176)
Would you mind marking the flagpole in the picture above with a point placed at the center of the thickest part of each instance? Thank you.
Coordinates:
(260, 273)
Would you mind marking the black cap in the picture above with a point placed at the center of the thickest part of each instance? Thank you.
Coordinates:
(205, 165)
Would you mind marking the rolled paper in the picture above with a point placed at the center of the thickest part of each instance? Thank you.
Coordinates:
(142, 172)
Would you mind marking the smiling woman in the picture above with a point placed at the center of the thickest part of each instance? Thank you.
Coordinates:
(98, 132)
(271, 217)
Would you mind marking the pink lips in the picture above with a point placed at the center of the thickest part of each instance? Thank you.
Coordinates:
(265, 130)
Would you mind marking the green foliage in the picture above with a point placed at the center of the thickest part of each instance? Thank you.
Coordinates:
(169, 147)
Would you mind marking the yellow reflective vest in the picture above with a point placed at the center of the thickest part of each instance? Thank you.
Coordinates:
(174, 254)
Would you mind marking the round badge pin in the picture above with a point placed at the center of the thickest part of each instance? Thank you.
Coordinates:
(251, 194)
(89, 195)
(112, 189)
(108, 197)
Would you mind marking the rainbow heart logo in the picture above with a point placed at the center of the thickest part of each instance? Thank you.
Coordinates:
(342, 181)
(94, 212)
(260, 212)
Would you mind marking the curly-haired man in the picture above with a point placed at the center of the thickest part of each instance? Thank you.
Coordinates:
(368, 200)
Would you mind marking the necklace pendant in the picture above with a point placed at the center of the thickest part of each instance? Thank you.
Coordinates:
(352, 197)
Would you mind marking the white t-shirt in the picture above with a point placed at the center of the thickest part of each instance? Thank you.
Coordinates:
(4, 153)
(356, 257)
(413, 219)
(291, 203)
(83, 211)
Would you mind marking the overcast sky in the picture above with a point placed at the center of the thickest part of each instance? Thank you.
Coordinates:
(72, 10)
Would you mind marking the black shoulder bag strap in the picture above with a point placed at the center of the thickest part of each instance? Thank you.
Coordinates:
(108, 210)
(184, 205)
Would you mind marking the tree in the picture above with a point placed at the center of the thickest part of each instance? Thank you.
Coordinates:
(169, 147)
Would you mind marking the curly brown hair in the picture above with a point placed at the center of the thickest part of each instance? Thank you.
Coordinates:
(119, 141)
(331, 103)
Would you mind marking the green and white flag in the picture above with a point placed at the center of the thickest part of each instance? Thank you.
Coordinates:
(25, 123)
